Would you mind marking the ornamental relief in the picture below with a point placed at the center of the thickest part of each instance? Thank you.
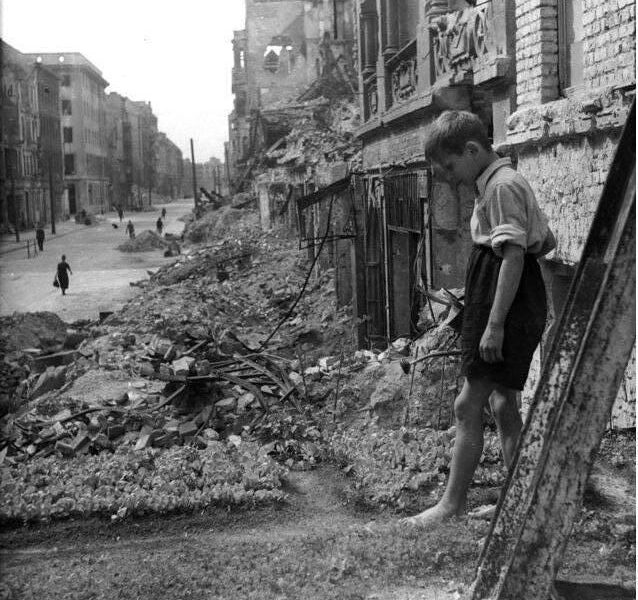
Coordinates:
(462, 37)
(404, 80)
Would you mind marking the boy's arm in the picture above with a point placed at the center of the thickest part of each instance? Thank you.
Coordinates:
(491, 344)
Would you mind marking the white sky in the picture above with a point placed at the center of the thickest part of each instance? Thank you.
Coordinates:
(176, 55)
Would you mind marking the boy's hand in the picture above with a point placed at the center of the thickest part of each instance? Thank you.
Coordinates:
(491, 344)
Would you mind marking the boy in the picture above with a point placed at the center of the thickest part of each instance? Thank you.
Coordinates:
(505, 304)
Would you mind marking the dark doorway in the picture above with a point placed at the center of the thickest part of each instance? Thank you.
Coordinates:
(72, 201)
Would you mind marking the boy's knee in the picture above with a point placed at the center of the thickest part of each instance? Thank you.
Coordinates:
(467, 408)
(504, 405)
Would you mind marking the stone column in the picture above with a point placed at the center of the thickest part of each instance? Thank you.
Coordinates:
(391, 28)
(369, 37)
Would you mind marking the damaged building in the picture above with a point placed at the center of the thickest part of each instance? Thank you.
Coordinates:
(293, 60)
(553, 83)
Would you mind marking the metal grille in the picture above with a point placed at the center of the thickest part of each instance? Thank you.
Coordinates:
(403, 201)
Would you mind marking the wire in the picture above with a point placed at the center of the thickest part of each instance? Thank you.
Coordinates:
(305, 283)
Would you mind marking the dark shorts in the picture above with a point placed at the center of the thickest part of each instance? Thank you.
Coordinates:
(524, 324)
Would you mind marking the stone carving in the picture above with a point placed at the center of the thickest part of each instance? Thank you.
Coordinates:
(373, 100)
(460, 38)
(404, 80)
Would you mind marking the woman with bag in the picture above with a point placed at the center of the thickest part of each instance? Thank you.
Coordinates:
(62, 277)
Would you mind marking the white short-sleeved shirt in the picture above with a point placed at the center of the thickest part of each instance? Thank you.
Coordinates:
(506, 210)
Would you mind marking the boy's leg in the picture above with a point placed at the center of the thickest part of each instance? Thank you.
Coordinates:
(468, 446)
(508, 420)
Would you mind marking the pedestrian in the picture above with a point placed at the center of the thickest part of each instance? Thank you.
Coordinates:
(159, 225)
(505, 305)
(39, 236)
(130, 229)
(163, 213)
(62, 276)
(120, 212)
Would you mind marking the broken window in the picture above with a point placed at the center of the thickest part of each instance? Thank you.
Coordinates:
(66, 107)
(278, 53)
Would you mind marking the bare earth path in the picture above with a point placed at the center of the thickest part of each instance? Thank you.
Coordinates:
(313, 547)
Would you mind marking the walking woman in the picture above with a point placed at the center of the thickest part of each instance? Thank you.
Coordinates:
(63, 277)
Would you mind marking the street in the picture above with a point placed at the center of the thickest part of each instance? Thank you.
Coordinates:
(101, 272)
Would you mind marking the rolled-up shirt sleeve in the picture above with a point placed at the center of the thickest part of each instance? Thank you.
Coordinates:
(507, 215)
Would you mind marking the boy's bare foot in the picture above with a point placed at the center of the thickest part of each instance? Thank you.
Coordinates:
(483, 512)
(431, 516)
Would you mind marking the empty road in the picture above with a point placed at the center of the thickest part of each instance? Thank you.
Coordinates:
(101, 273)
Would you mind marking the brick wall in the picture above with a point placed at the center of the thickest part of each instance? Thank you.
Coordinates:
(536, 51)
(609, 47)
(567, 178)
(609, 53)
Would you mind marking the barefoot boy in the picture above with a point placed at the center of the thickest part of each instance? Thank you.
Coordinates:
(505, 304)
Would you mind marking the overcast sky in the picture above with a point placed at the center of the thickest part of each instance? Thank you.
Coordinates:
(177, 55)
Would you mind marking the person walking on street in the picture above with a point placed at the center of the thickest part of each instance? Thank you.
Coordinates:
(130, 229)
(62, 275)
(120, 213)
(163, 213)
(159, 225)
(39, 236)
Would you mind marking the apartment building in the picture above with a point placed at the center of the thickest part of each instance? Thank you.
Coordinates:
(30, 165)
(169, 175)
(82, 100)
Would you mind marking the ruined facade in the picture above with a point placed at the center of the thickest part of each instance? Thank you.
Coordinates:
(286, 48)
(31, 147)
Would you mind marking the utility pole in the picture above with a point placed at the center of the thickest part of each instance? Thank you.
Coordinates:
(194, 174)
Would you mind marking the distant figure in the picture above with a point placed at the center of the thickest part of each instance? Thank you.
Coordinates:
(39, 236)
(120, 213)
(159, 225)
(163, 213)
(130, 229)
(63, 277)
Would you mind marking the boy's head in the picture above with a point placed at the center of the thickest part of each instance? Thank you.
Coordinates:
(458, 147)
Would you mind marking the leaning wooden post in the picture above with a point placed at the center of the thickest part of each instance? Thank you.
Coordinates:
(579, 382)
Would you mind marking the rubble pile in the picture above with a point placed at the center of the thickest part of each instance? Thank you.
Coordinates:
(321, 137)
(219, 223)
(28, 344)
(130, 483)
(145, 241)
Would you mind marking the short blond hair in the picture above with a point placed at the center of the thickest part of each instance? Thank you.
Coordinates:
(451, 130)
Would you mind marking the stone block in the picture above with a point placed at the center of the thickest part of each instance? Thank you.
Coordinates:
(182, 366)
(52, 379)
